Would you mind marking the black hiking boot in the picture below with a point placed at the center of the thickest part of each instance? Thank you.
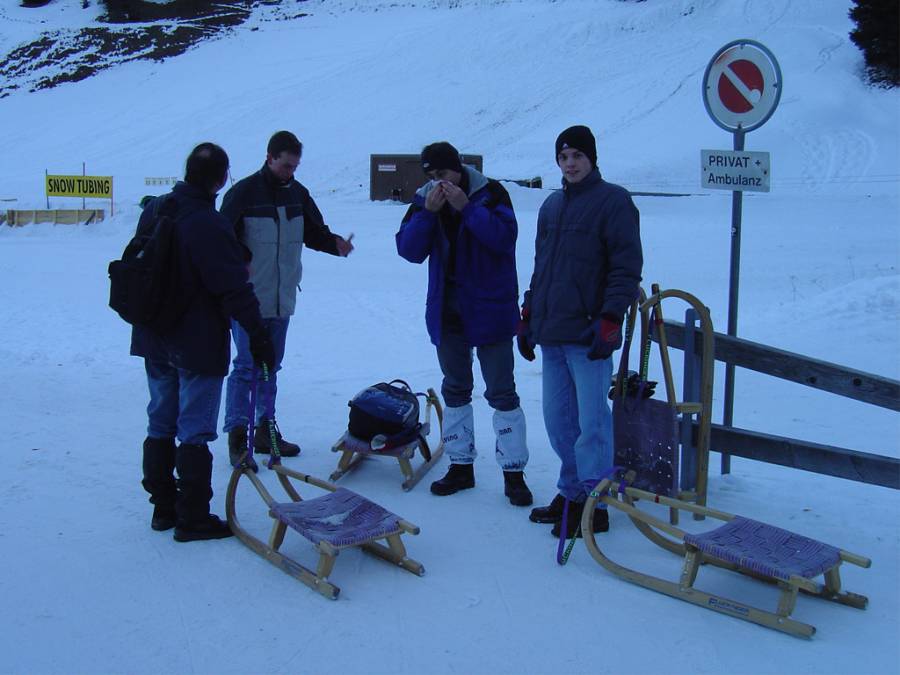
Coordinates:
(573, 520)
(514, 487)
(237, 444)
(552, 513)
(159, 481)
(193, 521)
(212, 527)
(459, 477)
(163, 518)
(262, 441)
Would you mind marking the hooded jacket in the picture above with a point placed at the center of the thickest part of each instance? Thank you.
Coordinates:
(484, 268)
(212, 277)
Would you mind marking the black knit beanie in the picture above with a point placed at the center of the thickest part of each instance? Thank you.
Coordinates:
(439, 156)
(580, 138)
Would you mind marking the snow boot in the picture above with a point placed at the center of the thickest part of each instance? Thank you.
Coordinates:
(262, 441)
(193, 520)
(159, 481)
(459, 477)
(552, 513)
(573, 520)
(237, 444)
(514, 487)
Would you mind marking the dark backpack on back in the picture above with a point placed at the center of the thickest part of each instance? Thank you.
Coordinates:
(143, 283)
(387, 410)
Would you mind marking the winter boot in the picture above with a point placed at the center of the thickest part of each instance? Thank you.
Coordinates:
(552, 513)
(262, 441)
(514, 487)
(458, 434)
(237, 444)
(193, 521)
(159, 481)
(573, 520)
(459, 477)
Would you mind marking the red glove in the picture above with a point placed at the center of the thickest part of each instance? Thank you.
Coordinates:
(605, 334)
(522, 341)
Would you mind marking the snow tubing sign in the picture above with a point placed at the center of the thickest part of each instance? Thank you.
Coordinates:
(742, 86)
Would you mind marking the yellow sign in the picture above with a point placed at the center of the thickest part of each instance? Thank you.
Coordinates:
(99, 187)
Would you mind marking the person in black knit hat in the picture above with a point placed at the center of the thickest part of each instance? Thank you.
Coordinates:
(464, 225)
(587, 271)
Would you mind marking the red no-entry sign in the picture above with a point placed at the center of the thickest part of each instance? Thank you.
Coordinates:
(742, 86)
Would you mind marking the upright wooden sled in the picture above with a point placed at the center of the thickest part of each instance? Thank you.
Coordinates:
(354, 450)
(749, 547)
(336, 520)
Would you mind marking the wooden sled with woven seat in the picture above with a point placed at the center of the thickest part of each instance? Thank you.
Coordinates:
(333, 521)
(353, 450)
(749, 547)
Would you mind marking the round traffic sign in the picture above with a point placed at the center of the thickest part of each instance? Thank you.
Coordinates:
(742, 86)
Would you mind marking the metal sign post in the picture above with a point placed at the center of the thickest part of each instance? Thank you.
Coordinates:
(741, 89)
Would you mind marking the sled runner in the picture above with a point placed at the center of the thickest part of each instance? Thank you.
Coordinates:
(749, 547)
(332, 521)
(353, 450)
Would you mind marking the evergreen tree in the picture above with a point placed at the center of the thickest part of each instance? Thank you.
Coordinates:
(877, 34)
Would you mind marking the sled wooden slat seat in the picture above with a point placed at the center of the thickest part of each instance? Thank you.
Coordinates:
(765, 549)
(353, 450)
(334, 521)
(758, 550)
(342, 518)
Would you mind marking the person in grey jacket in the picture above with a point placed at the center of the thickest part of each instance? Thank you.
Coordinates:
(587, 271)
(273, 216)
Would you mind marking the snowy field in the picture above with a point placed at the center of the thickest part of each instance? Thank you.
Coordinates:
(87, 587)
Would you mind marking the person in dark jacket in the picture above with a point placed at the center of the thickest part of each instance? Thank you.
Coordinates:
(464, 225)
(186, 365)
(273, 216)
(587, 271)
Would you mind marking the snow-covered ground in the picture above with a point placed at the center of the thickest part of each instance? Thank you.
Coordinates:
(87, 587)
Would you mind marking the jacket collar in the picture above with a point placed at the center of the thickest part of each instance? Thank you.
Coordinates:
(183, 189)
(593, 178)
(271, 179)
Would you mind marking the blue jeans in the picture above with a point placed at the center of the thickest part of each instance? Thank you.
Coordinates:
(182, 403)
(496, 360)
(237, 390)
(577, 415)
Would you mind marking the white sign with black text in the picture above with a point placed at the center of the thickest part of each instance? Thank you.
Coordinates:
(735, 170)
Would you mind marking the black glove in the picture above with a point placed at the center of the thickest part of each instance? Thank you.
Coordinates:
(262, 350)
(526, 349)
(605, 335)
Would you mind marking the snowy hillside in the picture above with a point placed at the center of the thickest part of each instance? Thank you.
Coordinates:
(88, 587)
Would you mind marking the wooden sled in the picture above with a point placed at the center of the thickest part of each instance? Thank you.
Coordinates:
(353, 450)
(336, 520)
(749, 547)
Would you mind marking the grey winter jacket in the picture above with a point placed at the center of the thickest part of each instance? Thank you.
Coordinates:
(273, 220)
(587, 260)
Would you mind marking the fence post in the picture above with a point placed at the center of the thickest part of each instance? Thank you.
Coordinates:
(690, 392)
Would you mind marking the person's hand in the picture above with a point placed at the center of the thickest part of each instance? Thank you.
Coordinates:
(455, 195)
(262, 350)
(605, 335)
(344, 246)
(436, 197)
(522, 340)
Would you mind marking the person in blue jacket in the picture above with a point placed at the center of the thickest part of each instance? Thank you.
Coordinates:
(587, 271)
(186, 365)
(464, 225)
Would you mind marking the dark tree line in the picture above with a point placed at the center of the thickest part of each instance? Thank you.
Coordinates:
(877, 34)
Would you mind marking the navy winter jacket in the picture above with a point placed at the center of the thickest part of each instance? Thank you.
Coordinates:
(587, 260)
(212, 278)
(487, 287)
